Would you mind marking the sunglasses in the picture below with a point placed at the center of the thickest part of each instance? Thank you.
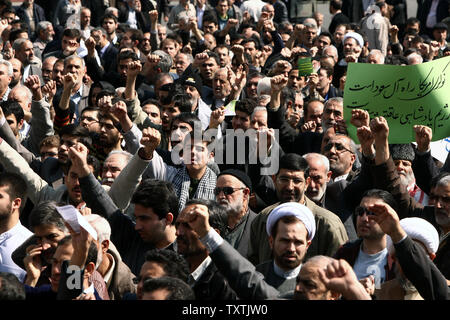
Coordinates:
(226, 190)
(360, 211)
(339, 147)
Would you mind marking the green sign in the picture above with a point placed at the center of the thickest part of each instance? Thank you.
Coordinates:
(305, 67)
(403, 95)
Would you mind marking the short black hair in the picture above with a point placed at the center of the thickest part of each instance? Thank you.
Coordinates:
(336, 4)
(158, 195)
(109, 16)
(294, 162)
(10, 287)
(182, 102)
(12, 107)
(72, 33)
(127, 54)
(178, 289)
(245, 105)
(382, 195)
(217, 214)
(80, 132)
(16, 185)
(173, 264)
(45, 213)
(189, 118)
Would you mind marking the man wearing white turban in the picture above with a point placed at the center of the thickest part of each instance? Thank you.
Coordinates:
(412, 244)
(290, 227)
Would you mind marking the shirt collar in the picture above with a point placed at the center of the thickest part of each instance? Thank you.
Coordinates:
(197, 273)
(343, 177)
(108, 274)
(286, 274)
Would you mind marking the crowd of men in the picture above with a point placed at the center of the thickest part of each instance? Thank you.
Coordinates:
(209, 166)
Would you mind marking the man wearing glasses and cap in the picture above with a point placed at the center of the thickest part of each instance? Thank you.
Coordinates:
(233, 190)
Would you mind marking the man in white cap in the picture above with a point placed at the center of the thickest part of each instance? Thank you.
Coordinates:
(412, 244)
(353, 43)
(290, 227)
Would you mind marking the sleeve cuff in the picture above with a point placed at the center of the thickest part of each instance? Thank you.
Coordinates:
(212, 240)
(403, 239)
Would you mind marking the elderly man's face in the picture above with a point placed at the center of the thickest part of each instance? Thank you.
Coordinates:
(349, 46)
(440, 197)
(112, 167)
(341, 157)
(309, 33)
(289, 245)
(319, 179)
(333, 112)
(309, 286)
(315, 113)
(374, 59)
(235, 202)
(181, 63)
(259, 120)
(291, 185)
(404, 169)
(221, 85)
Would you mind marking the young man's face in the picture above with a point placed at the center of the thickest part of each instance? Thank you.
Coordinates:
(289, 245)
(149, 226)
(198, 158)
(241, 121)
(149, 270)
(109, 25)
(168, 113)
(291, 185)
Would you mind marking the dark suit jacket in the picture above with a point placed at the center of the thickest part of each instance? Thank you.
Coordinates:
(109, 58)
(38, 15)
(339, 18)
(423, 9)
(143, 20)
(212, 285)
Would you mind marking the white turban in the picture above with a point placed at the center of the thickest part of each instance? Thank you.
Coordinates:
(356, 36)
(295, 209)
(421, 230)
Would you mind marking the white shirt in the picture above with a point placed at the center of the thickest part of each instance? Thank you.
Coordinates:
(132, 21)
(10, 241)
(197, 273)
(286, 274)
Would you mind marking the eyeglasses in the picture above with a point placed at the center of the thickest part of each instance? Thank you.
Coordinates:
(338, 146)
(226, 190)
(360, 211)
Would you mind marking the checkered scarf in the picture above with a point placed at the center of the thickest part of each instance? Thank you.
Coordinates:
(205, 189)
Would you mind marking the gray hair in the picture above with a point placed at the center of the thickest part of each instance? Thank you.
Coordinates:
(17, 44)
(126, 154)
(9, 66)
(28, 92)
(258, 109)
(378, 54)
(310, 23)
(339, 100)
(101, 226)
(319, 261)
(71, 57)
(332, 48)
(188, 55)
(314, 155)
(414, 56)
(166, 61)
(112, 10)
(42, 26)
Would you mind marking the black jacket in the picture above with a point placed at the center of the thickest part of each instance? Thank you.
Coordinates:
(212, 285)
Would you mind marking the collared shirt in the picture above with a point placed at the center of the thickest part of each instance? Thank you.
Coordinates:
(76, 98)
(102, 51)
(132, 21)
(286, 274)
(200, 12)
(89, 289)
(197, 273)
(343, 177)
(431, 18)
(23, 133)
(10, 241)
(109, 274)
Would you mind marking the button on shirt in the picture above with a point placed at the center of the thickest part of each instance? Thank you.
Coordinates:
(10, 241)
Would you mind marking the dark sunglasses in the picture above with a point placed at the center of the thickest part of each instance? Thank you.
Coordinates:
(339, 147)
(226, 190)
(361, 210)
